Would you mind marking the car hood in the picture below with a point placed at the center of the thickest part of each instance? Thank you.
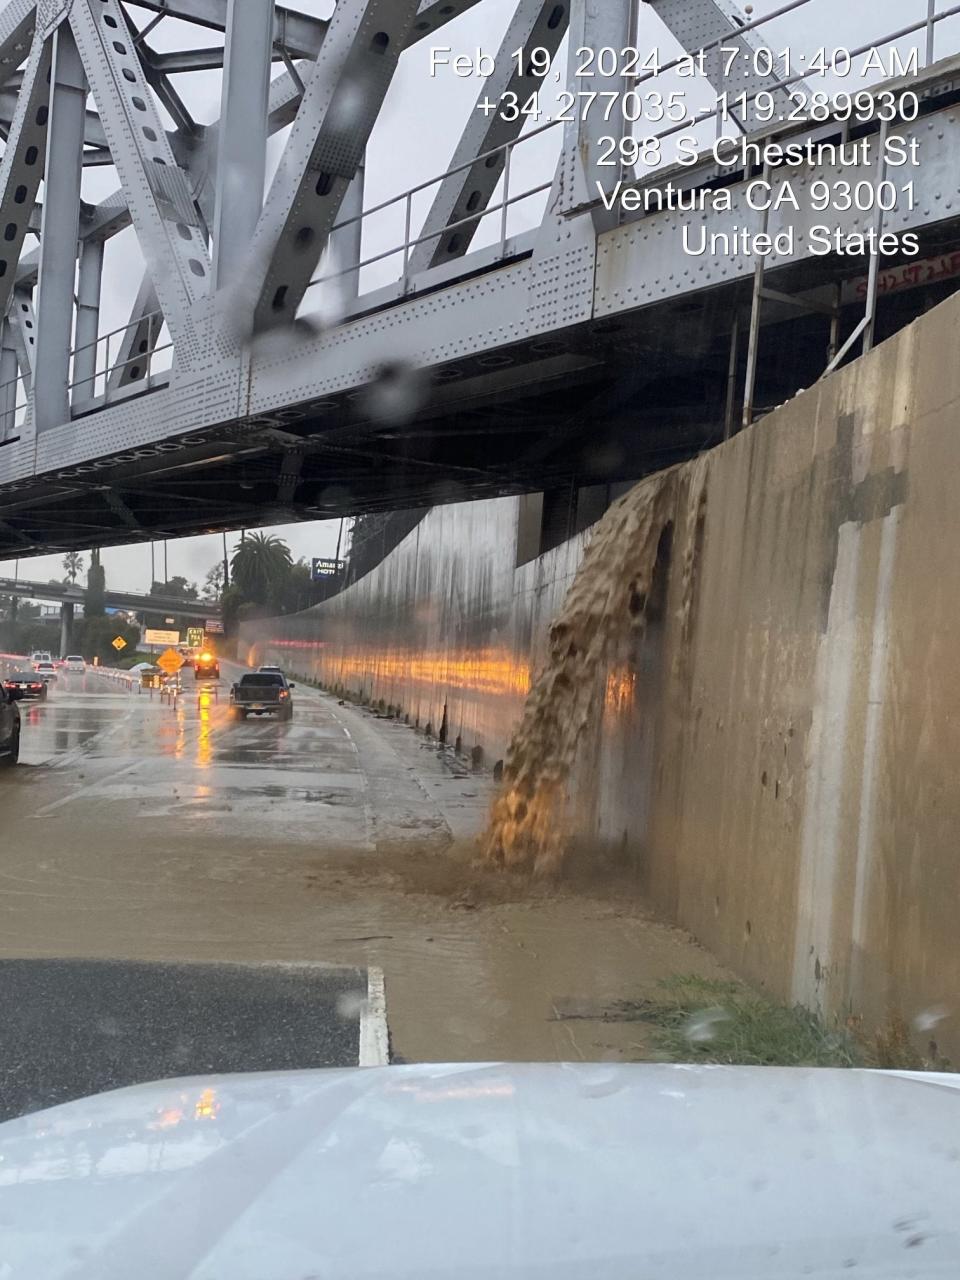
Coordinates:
(490, 1171)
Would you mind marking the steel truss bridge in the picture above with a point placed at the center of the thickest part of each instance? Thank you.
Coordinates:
(586, 350)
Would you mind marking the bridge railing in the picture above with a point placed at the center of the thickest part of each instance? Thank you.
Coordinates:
(405, 201)
(14, 407)
(929, 24)
(401, 247)
(101, 369)
(717, 117)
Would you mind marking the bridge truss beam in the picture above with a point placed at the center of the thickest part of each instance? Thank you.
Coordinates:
(502, 342)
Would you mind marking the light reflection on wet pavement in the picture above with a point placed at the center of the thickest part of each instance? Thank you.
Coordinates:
(295, 781)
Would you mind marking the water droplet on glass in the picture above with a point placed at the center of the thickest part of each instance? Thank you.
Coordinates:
(396, 394)
(350, 1005)
(927, 1019)
(701, 1027)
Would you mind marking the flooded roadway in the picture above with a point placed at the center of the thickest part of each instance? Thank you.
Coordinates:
(139, 831)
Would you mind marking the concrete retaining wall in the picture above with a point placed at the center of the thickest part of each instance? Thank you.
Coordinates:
(781, 763)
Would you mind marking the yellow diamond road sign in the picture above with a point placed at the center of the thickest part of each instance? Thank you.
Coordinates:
(119, 643)
(170, 662)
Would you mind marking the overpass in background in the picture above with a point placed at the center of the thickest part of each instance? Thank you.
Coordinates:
(586, 350)
(70, 594)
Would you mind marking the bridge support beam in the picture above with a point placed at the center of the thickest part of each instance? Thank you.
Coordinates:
(88, 320)
(8, 382)
(696, 23)
(138, 339)
(341, 102)
(241, 165)
(536, 24)
(59, 232)
(347, 244)
(66, 627)
(595, 24)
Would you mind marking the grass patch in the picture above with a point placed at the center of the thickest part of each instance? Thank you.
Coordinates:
(703, 1020)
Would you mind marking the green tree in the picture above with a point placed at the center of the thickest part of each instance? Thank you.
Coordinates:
(93, 603)
(95, 636)
(298, 590)
(73, 565)
(177, 588)
(261, 566)
(213, 583)
(231, 602)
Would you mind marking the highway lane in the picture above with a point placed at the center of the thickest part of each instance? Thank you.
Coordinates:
(140, 833)
(115, 792)
(74, 1027)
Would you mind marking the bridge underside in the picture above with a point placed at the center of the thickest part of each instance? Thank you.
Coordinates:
(589, 348)
(602, 402)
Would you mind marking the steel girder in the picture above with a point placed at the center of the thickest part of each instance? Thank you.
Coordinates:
(300, 34)
(158, 192)
(23, 332)
(243, 135)
(452, 315)
(340, 106)
(16, 32)
(8, 381)
(138, 339)
(87, 329)
(536, 23)
(93, 132)
(697, 23)
(97, 222)
(581, 175)
(22, 168)
(58, 233)
(303, 35)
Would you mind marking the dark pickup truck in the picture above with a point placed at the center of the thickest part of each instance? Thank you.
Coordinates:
(261, 693)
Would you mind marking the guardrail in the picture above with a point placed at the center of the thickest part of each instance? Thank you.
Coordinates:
(99, 365)
(406, 198)
(510, 197)
(127, 679)
(14, 407)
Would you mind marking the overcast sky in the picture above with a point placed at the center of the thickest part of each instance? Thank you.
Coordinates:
(413, 141)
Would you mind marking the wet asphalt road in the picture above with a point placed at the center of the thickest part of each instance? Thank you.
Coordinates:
(72, 1028)
(116, 833)
(147, 835)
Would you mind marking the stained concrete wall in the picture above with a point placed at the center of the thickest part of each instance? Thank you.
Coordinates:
(780, 756)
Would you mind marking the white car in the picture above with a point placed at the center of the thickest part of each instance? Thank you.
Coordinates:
(515, 1171)
(47, 671)
(74, 662)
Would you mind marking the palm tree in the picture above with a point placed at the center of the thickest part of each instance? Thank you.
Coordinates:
(73, 564)
(260, 566)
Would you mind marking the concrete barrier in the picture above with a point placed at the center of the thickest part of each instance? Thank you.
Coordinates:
(779, 757)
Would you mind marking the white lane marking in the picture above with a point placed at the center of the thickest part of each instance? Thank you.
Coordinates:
(374, 1037)
(77, 753)
(103, 783)
(94, 786)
